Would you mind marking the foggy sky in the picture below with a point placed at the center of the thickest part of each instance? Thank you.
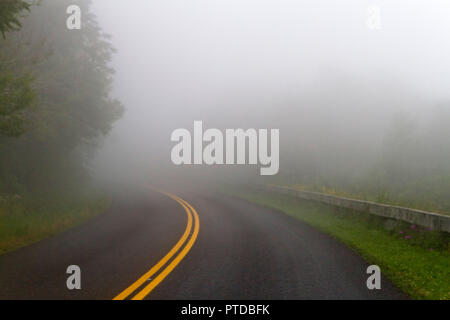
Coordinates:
(311, 68)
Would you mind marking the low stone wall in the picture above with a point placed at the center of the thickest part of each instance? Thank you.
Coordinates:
(422, 218)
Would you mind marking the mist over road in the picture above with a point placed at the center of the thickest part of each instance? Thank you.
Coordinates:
(242, 251)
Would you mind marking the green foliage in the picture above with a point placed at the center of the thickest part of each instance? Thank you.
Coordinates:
(412, 167)
(10, 13)
(16, 95)
(27, 220)
(65, 75)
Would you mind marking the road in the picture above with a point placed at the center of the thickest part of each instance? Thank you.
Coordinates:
(227, 249)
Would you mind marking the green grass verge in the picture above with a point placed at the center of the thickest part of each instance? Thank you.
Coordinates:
(417, 261)
(25, 221)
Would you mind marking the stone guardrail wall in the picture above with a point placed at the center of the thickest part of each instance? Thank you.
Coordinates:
(422, 218)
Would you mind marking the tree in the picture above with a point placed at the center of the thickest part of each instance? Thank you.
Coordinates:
(16, 95)
(65, 76)
(10, 13)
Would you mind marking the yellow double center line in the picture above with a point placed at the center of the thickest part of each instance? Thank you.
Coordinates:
(193, 220)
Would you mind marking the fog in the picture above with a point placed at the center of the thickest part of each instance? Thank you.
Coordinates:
(353, 103)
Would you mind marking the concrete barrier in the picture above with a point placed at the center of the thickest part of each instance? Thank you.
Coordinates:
(421, 218)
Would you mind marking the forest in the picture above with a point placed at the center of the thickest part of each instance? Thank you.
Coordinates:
(55, 108)
(55, 102)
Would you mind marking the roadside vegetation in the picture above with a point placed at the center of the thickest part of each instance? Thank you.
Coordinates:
(24, 221)
(386, 145)
(55, 108)
(420, 203)
(417, 260)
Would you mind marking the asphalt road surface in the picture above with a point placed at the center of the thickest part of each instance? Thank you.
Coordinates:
(157, 246)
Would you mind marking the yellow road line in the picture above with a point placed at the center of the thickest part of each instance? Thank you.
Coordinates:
(144, 292)
(147, 289)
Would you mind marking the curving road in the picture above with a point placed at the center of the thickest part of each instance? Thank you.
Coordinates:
(240, 251)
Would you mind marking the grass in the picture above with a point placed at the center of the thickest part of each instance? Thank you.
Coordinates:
(24, 221)
(416, 260)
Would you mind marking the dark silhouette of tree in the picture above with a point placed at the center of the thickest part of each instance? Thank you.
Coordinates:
(10, 13)
(55, 100)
